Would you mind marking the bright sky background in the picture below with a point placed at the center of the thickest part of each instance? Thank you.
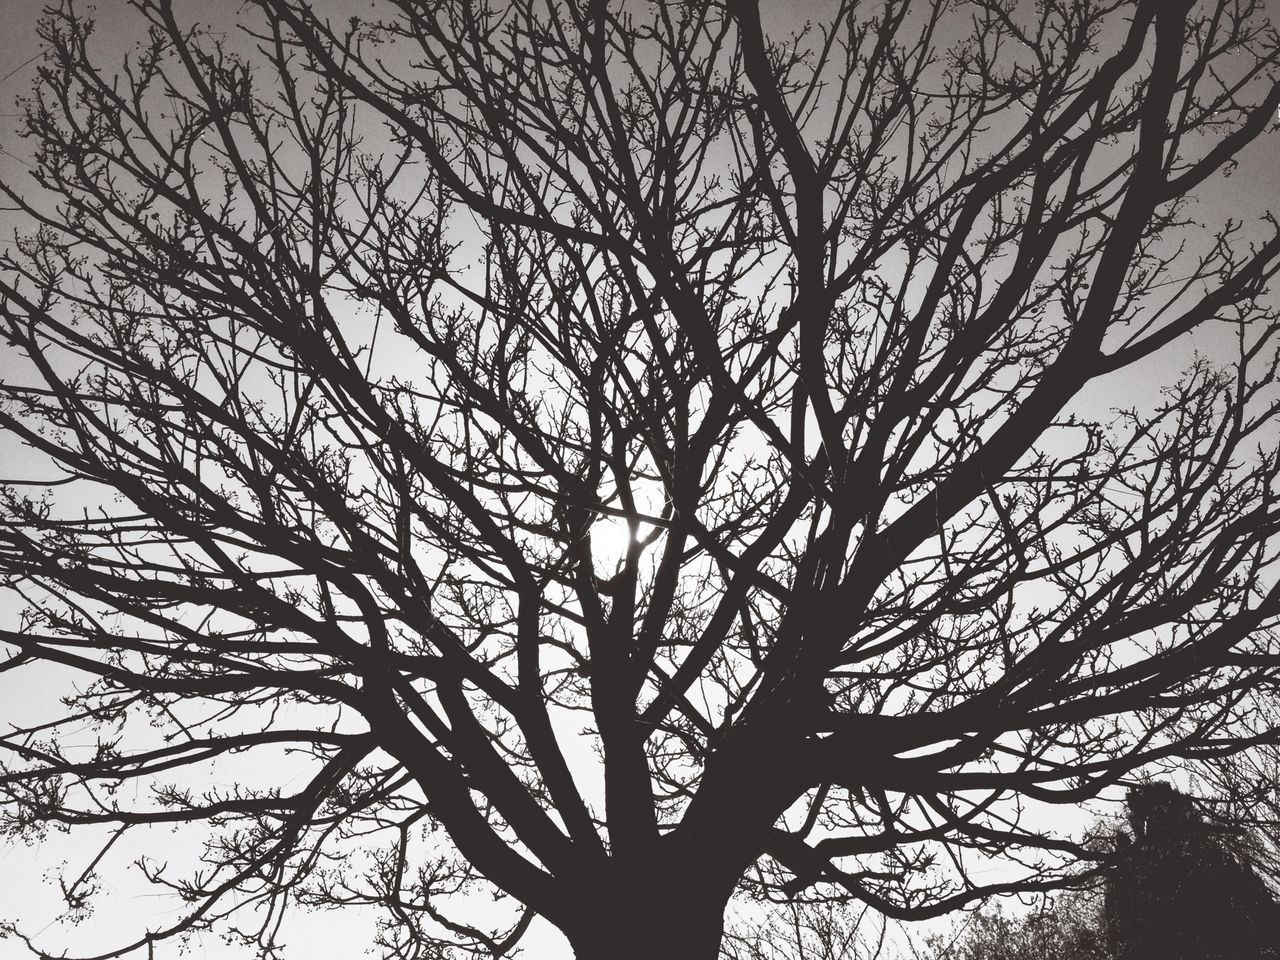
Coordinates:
(27, 891)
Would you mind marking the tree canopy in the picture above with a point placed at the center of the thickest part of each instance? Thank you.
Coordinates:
(604, 456)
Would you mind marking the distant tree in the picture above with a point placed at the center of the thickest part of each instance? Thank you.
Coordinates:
(1241, 791)
(809, 931)
(1068, 926)
(1184, 888)
(596, 455)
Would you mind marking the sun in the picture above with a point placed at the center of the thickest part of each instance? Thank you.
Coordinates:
(610, 538)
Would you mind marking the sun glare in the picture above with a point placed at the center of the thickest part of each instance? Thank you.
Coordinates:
(610, 537)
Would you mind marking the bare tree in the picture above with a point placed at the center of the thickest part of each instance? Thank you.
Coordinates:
(620, 452)
(827, 930)
(1068, 926)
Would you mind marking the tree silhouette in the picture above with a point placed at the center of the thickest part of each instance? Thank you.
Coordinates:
(1068, 926)
(601, 455)
(1184, 887)
(812, 931)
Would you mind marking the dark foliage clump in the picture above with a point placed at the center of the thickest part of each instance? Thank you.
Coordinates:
(1183, 886)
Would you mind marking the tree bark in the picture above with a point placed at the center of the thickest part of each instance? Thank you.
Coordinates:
(670, 916)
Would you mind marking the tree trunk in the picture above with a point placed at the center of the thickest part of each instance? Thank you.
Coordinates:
(659, 918)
